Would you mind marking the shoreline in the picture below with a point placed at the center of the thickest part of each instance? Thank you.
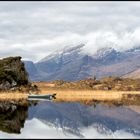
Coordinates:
(82, 96)
(89, 96)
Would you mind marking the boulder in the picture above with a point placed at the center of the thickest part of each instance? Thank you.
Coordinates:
(12, 73)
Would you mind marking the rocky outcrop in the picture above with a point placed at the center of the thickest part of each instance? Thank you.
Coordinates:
(12, 73)
(106, 83)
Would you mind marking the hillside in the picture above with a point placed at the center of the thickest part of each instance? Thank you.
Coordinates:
(73, 64)
(134, 74)
(32, 70)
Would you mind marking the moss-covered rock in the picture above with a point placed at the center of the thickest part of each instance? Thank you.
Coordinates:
(12, 73)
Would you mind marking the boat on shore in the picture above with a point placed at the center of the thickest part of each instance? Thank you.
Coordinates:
(43, 96)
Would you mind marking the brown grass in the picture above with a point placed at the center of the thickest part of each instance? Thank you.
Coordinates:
(71, 94)
(87, 95)
(13, 96)
(82, 95)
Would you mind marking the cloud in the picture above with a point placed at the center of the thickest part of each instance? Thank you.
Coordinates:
(119, 42)
(43, 27)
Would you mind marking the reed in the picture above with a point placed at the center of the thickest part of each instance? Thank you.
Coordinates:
(68, 95)
(13, 96)
(87, 95)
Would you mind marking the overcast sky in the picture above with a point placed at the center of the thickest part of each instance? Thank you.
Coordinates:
(35, 29)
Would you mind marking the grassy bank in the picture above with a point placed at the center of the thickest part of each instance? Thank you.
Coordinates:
(88, 95)
(83, 96)
(16, 96)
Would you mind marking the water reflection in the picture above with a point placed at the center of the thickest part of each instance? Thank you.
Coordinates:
(12, 118)
(73, 117)
(64, 120)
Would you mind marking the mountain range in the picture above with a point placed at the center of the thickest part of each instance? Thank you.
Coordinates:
(72, 64)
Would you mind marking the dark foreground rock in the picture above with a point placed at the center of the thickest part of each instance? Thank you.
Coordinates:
(13, 75)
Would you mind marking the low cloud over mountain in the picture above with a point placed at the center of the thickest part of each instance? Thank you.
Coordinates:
(36, 29)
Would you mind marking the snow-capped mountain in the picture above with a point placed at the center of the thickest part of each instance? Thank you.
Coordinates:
(65, 53)
(72, 64)
(103, 52)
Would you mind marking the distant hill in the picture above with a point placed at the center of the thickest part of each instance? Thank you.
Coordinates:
(34, 74)
(73, 64)
(134, 74)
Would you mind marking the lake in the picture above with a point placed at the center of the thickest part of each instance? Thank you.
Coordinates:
(47, 119)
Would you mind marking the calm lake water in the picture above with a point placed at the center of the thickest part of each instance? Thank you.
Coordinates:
(71, 120)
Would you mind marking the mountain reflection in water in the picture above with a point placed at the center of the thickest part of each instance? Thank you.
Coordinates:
(64, 120)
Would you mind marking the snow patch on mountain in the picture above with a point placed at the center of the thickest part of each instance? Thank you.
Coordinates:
(103, 52)
(66, 51)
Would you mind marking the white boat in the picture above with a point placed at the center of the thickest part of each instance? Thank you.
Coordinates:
(43, 96)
